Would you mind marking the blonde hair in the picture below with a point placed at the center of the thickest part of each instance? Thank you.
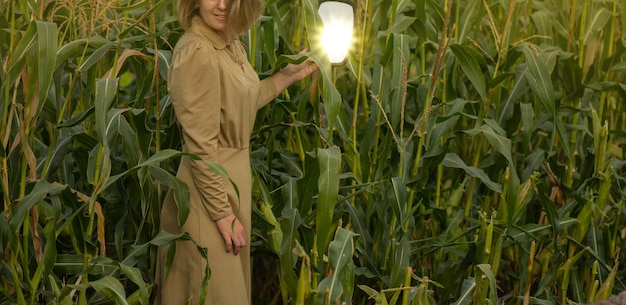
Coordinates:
(241, 16)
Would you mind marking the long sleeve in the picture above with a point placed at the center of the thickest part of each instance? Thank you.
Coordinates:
(195, 91)
(267, 92)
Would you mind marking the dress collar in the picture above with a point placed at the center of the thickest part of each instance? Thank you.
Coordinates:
(200, 27)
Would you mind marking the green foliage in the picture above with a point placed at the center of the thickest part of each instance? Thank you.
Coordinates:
(469, 152)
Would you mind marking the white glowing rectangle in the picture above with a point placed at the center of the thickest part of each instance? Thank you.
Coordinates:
(338, 18)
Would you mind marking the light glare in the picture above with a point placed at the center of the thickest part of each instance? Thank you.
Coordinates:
(337, 33)
(336, 41)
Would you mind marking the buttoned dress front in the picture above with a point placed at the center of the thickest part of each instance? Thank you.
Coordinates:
(215, 93)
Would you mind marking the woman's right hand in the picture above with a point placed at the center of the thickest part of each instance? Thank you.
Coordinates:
(233, 233)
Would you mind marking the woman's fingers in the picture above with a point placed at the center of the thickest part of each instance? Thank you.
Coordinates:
(228, 242)
(233, 233)
(239, 239)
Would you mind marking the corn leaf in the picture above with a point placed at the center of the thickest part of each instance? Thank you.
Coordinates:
(329, 163)
(340, 253)
(135, 276)
(467, 292)
(454, 161)
(46, 55)
(109, 286)
(469, 60)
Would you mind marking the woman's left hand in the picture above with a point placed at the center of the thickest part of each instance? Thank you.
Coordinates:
(301, 70)
(293, 73)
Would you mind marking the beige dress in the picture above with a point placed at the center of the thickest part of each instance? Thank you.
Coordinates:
(215, 93)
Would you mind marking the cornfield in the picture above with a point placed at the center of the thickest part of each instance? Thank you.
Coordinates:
(468, 152)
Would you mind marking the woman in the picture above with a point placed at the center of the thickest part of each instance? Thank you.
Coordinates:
(215, 93)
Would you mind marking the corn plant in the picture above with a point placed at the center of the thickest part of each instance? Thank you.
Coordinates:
(85, 119)
(477, 152)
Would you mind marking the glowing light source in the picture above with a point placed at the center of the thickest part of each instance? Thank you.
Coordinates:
(338, 18)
